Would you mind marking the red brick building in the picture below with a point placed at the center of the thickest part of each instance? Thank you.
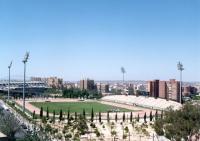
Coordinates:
(164, 89)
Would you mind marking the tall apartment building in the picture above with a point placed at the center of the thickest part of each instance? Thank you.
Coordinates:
(103, 88)
(164, 89)
(188, 90)
(55, 82)
(153, 88)
(174, 90)
(149, 88)
(87, 84)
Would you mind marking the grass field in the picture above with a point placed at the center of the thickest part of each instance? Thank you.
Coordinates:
(76, 107)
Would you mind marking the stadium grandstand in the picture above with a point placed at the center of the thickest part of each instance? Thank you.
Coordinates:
(143, 101)
(16, 87)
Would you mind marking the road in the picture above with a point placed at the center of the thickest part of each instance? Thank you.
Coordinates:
(25, 125)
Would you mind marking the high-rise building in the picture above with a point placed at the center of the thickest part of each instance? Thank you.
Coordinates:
(188, 90)
(55, 82)
(174, 90)
(149, 88)
(87, 84)
(155, 85)
(153, 88)
(163, 89)
(103, 88)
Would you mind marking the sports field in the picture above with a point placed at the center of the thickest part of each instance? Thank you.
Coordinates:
(77, 107)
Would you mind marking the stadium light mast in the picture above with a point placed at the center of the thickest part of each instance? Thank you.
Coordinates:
(180, 68)
(25, 60)
(123, 71)
(9, 67)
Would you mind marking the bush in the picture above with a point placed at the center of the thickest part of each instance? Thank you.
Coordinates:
(68, 136)
(59, 136)
(44, 120)
(124, 136)
(48, 128)
(97, 133)
(93, 125)
(113, 133)
(158, 126)
(54, 131)
(126, 129)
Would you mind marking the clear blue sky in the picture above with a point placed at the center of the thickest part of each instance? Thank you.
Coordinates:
(94, 38)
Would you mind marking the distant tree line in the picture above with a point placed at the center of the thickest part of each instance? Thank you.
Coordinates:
(52, 91)
(78, 93)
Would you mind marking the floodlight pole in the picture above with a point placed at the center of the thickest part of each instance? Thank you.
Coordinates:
(180, 68)
(123, 78)
(9, 67)
(24, 61)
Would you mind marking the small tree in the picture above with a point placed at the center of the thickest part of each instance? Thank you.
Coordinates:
(131, 117)
(61, 115)
(54, 116)
(116, 117)
(108, 117)
(151, 116)
(47, 113)
(84, 114)
(145, 117)
(75, 116)
(161, 116)
(124, 117)
(68, 115)
(100, 117)
(138, 118)
(33, 114)
(41, 112)
(156, 115)
(92, 115)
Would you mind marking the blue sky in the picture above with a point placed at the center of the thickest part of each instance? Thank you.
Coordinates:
(94, 38)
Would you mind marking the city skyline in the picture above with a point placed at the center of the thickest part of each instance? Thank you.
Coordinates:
(95, 39)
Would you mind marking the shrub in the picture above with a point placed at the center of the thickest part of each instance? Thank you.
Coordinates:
(126, 129)
(124, 136)
(68, 136)
(113, 133)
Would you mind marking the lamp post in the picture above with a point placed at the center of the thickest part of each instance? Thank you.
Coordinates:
(25, 60)
(180, 68)
(9, 67)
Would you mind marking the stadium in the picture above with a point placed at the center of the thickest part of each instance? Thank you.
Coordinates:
(114, 103)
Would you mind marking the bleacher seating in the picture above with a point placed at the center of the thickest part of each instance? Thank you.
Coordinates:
(143, 101)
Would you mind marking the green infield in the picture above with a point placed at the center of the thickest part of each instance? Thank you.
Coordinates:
(78, 107)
